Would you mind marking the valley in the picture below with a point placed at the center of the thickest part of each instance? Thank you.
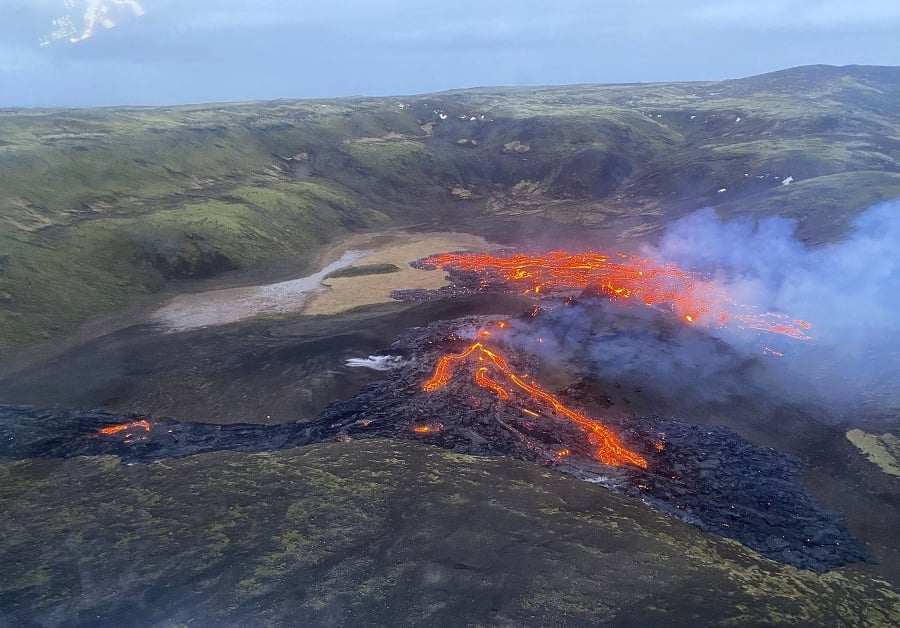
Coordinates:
(221, 391)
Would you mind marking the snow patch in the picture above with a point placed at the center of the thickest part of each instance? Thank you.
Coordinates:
(377, 362)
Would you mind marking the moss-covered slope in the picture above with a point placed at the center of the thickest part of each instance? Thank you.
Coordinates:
(99, 205)
(380, 533)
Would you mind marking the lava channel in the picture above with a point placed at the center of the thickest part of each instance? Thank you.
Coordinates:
(609, 449)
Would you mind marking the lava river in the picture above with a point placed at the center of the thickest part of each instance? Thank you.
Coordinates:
(609, 449)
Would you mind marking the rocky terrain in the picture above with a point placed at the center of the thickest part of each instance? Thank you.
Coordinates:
(706, 476)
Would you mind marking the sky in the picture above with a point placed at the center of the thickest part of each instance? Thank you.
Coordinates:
(190, 51)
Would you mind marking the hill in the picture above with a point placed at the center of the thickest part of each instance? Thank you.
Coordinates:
(100, 206)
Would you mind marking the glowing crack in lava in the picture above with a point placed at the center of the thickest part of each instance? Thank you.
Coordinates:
(692, 297)
(128, 431)
(609, 449)
(121, 427)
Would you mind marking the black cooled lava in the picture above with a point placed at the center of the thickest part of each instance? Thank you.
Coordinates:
(707, 476)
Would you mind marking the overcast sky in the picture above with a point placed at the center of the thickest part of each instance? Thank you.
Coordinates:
(183, 51)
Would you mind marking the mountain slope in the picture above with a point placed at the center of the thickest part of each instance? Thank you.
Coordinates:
(98, 206)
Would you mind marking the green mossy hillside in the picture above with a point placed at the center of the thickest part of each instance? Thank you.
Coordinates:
(381, 533)
(56, 278)
(97, 206)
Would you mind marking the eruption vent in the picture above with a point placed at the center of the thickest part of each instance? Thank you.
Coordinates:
(609, 449)
(695, 299)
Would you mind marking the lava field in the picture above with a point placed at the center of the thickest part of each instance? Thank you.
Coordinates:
(708, 476)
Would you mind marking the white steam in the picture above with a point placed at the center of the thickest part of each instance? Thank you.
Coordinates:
(848, 291)
(376, 362)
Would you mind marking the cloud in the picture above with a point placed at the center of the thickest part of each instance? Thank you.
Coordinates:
(281, 48)
(820, 14)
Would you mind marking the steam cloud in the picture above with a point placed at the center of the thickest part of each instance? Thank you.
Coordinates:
(849, 291)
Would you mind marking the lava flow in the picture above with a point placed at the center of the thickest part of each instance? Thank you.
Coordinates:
(691, 297)
(130, 433)
(609, 450)
(122, 427)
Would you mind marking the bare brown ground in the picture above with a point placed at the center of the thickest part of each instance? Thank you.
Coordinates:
(398, 248)
(316, 295)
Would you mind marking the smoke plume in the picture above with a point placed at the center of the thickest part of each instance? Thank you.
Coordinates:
(849, 291)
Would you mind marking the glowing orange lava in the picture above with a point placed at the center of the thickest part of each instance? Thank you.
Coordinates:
(121, 427)
(693, 298)
(484, 381)
(609, 449)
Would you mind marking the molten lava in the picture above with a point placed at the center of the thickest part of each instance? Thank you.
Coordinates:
(132, 432)
(609, 449)
(693, 298)
(428, 429)
(122, 427)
